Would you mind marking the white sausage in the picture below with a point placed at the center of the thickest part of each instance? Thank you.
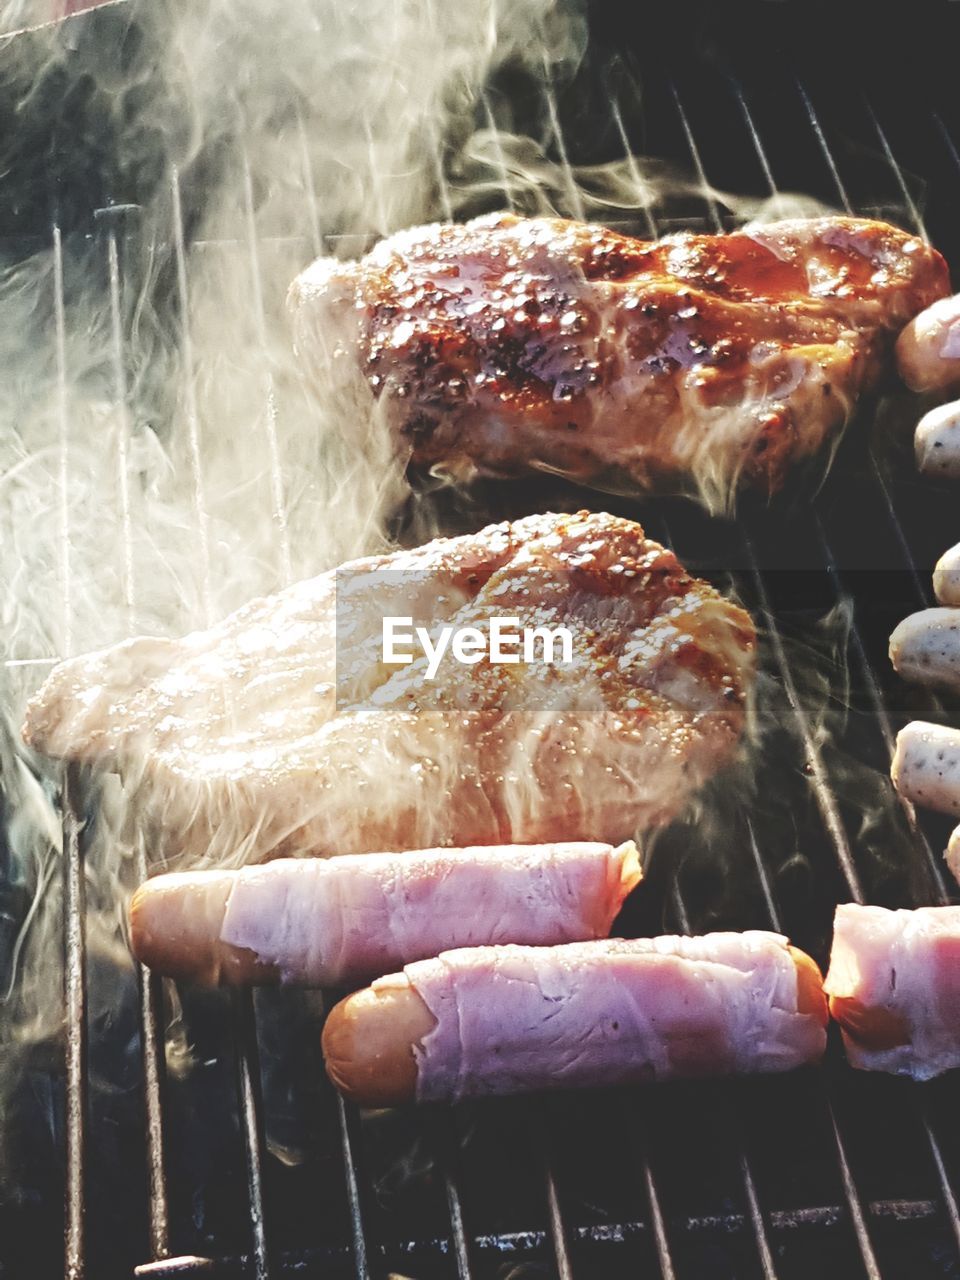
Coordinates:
(928, 349)
(946, 577)
(926, 766)
(926, 647)
(952, 854)
(937, 441)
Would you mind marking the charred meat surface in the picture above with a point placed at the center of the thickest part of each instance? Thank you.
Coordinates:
(282, 729)
(691, 364)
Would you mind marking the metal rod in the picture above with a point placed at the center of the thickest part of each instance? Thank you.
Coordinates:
(934, 863)
(347, 1138)
(574, 198)
(123, 427)
(946, 1190)
(898, 174)
(558, 1233)
(60, 331)
(152, 1046)
(852, 1197)
(657, 1223)
(822, 790)
(706, 190)
(458, 1234)
(200, 512)
(636, 177)
(755, 139)
(309, 186)
(920, 587)
(755, 1217)
(519, 1244)
(825, 148)
(501, 158)
(251, 1120)
(443, 186)
(260, 318)
(75, 1013)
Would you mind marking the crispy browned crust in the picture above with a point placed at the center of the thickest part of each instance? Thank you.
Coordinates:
(505, 344)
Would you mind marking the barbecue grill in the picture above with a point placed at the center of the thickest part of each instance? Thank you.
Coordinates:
(116, 1159)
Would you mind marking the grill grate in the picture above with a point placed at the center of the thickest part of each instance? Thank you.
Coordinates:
(751, 1231)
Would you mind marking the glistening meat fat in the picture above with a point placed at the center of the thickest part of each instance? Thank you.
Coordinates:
(694, 364)
(502, 1020)
(283, 730)
(894, 987)
(348, 919)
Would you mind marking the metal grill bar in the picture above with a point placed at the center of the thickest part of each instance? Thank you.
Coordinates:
(455, 1210)
(558, 1233)
(123, 426)
(908, 199)
(570, 183)
(75, 1010)
(520, 1244)
(260, 318)
(934, 864)
(501, 158)
(823, 793)
(347, 1118)
(825, 148)
(152, 1037)
(150, 986)
(822, 789)
(657, 1223)
(60, 331)
(713, 209)
(842, 848)
(636, 177)
(251, 1119)
(191, 413)
(754, 1216)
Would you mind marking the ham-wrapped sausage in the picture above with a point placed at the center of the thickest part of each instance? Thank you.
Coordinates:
(894, 987)
(501, 1020)
(339, 921)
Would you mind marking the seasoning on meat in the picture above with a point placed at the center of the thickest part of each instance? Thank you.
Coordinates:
(241, 743)
(691, 364)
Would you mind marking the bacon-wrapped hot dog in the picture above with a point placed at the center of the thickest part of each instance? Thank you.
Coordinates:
(894, 987)
(500, 1020)
(336, 921)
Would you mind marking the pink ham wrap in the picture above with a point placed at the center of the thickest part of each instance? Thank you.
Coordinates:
(341, 920)
(902, 968)
(511, 1019)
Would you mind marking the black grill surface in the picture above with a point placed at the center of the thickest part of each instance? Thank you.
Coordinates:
(248, 1163)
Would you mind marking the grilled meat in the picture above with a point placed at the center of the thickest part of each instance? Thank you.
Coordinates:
(282, 730)
(690, 364)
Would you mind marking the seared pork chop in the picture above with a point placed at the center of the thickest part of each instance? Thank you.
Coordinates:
(250, 740)
(690, 364)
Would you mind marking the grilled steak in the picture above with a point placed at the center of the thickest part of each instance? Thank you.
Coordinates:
(690, 364)
(251, 739)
